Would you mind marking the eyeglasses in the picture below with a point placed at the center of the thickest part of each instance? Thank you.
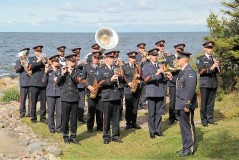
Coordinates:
(209, 47)
(133, 57)
(38, 51)
(179, 57)
(111, 57)
(62, 51)
(161, 45)
(96, 57)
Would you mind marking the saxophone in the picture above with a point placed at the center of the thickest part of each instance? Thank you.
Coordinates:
(96, 88)
(135, 80)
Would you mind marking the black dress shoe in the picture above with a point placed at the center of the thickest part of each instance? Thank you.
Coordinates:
(159, 134)
(73, 140)
(117, 139)
(82, 121)
(22, 115)
(33, 121)
(43, 121)
(170, 122)
(128, 126)
(99, 129)
(28, 115)
(67, 140)
(184, 154)
(136, 126)
(106, 141)
(180, 151)
(52, 132)
(58, 131)
(89, 131)
(152, 135)
(204, 124)
(213, 123)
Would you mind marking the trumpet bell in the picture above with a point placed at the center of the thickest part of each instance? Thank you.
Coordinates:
(22, 53)
(106, 38)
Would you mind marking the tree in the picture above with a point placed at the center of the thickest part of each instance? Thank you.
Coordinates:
(224, 31)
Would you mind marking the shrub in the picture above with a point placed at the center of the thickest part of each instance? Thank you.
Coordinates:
(11, 95)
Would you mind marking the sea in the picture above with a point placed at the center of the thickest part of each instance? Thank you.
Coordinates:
(12, 42)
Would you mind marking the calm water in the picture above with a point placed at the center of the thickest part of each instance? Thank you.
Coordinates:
(11, 43)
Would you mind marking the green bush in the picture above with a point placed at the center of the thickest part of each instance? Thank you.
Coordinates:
(11, 95)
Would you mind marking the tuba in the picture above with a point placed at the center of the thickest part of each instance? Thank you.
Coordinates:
(106, 38)
(23, 58)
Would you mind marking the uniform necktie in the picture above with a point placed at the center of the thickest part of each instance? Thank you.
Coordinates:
(211, 59)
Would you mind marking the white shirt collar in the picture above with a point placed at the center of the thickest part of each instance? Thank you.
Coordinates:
(184, 67)
(207, 55)
(108, 66)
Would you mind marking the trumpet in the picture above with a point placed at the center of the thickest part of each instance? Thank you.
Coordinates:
(218, 68)
(45, 60)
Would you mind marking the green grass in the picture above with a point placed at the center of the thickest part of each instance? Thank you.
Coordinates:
(213, 142)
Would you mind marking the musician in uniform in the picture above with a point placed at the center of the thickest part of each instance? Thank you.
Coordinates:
(53, 93)
(69, 79)
(186, 102)
(208, 69)
(80, 85)
(109, 78)
(132, 75)
(119, 63)
(94, 103)
(161, 59)
(155, 93)
(94, 48)
(61, 53)
(24, 79)
(37, 86)
(170, 60)
(141, 59)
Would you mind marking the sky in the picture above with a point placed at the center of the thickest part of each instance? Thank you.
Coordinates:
(121, 15)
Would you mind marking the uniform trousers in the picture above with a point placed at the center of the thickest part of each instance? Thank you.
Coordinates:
(187, 129)
(94, 108)
(69, 113)
(54, 104)
(131, 103)
(111, 112)
(155, 109)
(24, 92)
(208, 96)
(35, 92)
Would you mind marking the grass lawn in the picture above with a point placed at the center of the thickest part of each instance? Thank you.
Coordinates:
(213, 142)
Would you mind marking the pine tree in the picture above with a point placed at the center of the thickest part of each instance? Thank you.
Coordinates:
(224, 31)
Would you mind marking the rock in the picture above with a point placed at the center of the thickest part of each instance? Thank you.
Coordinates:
(52, 157)
(34, 147)
(11, 134)
(25, 142)
(41, 158)
(54, 150)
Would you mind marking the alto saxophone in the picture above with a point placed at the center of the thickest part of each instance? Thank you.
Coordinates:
(135, 80)
(96, 88)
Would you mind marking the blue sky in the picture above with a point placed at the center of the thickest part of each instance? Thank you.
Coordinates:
(122, 15)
